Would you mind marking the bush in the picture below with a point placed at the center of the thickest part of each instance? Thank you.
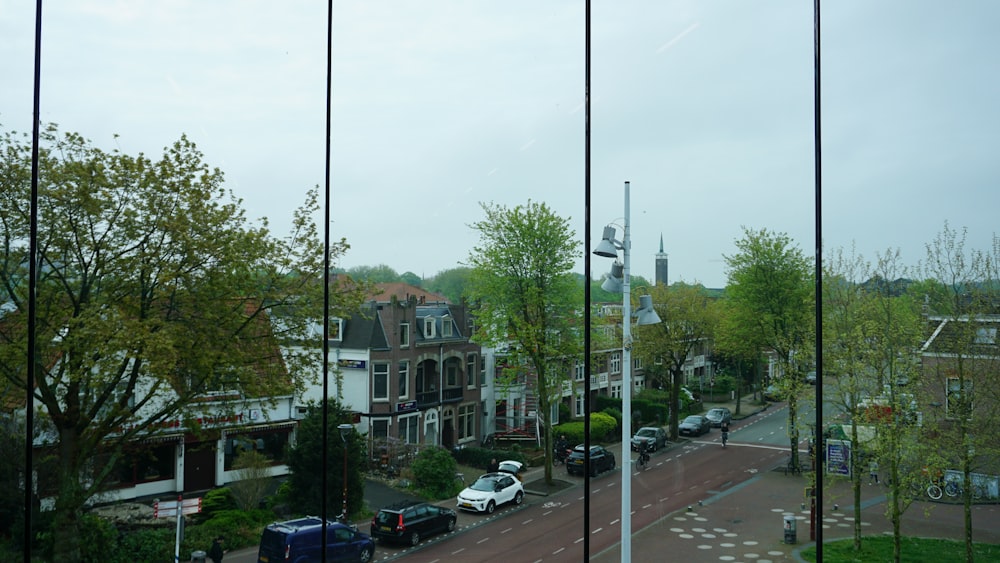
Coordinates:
(214, 501)
(602, 427)
(252, 478)
(434, 474)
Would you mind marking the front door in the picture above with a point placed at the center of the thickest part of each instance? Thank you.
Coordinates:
(199, 466)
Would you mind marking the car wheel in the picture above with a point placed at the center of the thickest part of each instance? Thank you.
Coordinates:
(414, 538)
(490, 507)
(451, 524)
(519, 497)
(366, 554)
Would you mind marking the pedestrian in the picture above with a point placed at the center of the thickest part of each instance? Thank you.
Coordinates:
(494, 466)
(216, 552)
(873, 472)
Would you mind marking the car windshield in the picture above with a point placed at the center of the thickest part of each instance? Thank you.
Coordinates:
(483, 484)
(647, 433)
(715, 412)
(693, 420)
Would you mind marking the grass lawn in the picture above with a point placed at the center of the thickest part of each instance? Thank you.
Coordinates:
(915, 550)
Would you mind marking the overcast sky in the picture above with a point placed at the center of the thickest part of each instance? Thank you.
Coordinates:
(705, 106)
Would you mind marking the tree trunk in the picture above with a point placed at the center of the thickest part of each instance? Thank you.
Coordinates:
(66, 521)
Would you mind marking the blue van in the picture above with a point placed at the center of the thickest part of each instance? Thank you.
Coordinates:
(298, 541)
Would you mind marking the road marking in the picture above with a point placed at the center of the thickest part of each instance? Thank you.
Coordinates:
(578, 540)
(458, 551)
(527, 521)
(646, 506)
(484, 540)
(613, 522)
(507, 530)
(558, 551)
(597, 530)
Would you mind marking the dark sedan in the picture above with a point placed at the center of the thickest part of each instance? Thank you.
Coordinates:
(600, 460)
(694, 425)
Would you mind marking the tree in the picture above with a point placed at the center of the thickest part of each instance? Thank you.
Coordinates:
(411, 278)
(688, 322)
(525, 292)
(965, 362)
(434, 473)
(770, 285)
(374, 274)
(871, 331)
(305, 462)
(152, 290)
(735, 349)
(450, 283)
(252, 478)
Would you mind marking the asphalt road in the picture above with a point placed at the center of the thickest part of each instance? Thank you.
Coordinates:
(551, 528)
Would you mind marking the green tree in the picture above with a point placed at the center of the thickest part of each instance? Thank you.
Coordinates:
(434, 473)
(305, 462)
(870, 333)
(966, 362)
(736, 349)
(525, 292)
(770, 285)
(688, 322)
(451, 283)
(374, 274)
(411, 278)
(152, 290)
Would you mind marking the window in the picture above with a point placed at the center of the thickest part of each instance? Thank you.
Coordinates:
(986, 335)
(578, 404)
(380, 382)
(380, 428)
(636, 363)
(467, 421)
(429, 327)
(482, 371)
(578, 371)
(404, 335)
(616, 390)
(336, 329)
(451, 373)
(269, 443)
(616, 362)
(446, 328)
(408, 426)
(404, 379)
(958, 398)
(471, 367)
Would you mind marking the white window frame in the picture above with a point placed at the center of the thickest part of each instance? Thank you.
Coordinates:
(951, 388)
(447, 330)
(578, 371)
(471, 367)
(615, 362)
(337, 329)
(404, 334)
(403, 379)
(409, 428)
(466, 422)
(380, 370)
(429, 327)
(578, 404)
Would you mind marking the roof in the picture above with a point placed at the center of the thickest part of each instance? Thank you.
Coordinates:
(404, 292)
(969, 336)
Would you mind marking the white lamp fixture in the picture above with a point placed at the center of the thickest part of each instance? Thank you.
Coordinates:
(618, 280)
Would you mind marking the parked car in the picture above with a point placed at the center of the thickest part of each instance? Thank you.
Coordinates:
(694, 425)
(600, 460)
(654, 436)
(719, 415)
(411, 521)
(811, 378)
(772, 393)
(491, 490)
(299, 540)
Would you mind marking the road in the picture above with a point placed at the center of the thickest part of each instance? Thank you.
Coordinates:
(550, 529)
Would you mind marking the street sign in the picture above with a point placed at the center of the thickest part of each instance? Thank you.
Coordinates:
(168, 508)
(838, 457)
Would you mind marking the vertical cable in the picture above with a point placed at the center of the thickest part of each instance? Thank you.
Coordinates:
(818, 433)
(586, 284)
(29, 386)
(326, 285)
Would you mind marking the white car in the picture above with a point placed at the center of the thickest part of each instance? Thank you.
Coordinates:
(493, 489)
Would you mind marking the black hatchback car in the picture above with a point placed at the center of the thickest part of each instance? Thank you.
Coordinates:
(600, 460)
(411, 521)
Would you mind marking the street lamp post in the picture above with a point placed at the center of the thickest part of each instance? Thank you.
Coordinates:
(609, 247)
(345, 430)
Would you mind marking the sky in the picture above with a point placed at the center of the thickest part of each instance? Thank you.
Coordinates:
(705, 106)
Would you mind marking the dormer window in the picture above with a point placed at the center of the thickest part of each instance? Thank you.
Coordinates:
(337, 329)
(446, 326)
(429, 327)
(404, 335)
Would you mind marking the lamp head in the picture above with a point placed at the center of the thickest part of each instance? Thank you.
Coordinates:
(345, 429)
(615, 282)
(606, 247)
(646, 314)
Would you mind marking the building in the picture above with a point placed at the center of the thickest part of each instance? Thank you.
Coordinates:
(406, 364)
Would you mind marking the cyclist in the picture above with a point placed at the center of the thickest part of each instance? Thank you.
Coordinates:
(643, 453)
(725, 432)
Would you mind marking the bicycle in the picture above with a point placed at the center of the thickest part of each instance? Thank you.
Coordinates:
(643, 459)
(725, 438)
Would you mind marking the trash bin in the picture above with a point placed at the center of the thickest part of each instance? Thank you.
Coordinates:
(789, 528)
(198, 556)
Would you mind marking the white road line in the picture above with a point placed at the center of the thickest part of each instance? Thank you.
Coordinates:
(646, 506)
(484, 540)
(558, 551)
(597, 530)
(507, 530)
(458, 551)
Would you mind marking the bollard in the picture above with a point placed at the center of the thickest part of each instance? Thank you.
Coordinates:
(789, 520)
